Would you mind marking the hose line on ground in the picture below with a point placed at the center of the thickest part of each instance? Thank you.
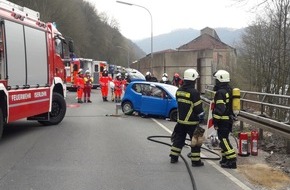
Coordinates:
(151, 138)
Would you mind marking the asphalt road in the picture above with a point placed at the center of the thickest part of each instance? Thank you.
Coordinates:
(94, 149)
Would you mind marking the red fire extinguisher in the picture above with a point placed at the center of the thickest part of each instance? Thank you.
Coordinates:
(243, 144)
(254, 143)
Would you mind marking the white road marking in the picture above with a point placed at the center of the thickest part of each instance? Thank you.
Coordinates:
(227, 174)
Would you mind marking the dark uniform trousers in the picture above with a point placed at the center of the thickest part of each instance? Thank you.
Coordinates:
(223, 131)
(180, 132)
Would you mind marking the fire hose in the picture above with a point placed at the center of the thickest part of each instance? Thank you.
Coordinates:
(152, 138)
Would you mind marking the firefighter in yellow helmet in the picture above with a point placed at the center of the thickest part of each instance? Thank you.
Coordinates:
(222, 117)
(190, 114)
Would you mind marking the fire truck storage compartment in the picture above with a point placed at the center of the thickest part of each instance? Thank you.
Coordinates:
(26, 55)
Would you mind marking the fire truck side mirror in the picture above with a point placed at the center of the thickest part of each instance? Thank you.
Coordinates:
(71, 46)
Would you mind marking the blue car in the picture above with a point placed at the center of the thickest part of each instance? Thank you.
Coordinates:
(150, 99)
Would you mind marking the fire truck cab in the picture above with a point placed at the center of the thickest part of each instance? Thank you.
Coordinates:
(32, 70)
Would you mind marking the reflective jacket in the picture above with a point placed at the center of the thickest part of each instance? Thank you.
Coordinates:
(222, 103)
(189, 105)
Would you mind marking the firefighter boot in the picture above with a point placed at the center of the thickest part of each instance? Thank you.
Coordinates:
(89, 101)
(106, 99)
(223, 160)
(231, 164)
(173, 159)
(103, 98)
(197, 163)
(80, 101)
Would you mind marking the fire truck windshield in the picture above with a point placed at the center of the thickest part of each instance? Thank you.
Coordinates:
(58, 46)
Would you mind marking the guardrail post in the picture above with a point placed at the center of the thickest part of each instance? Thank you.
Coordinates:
(241, 126)
(261, 134)
(288, 147)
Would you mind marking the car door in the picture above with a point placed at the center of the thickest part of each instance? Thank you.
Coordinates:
(153, 100)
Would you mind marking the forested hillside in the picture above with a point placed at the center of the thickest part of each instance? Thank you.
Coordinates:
(93, 35)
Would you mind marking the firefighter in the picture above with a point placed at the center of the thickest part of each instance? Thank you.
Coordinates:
(150, 78)
(164, 79)
(222, 117)
(80, 85)
(104, 82)
(190, 114)
(118, 87)
(126, 81)
(177, 81)
(88, 80)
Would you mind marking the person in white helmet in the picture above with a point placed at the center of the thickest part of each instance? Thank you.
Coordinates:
(222, 119)
(190, 114)
(118, 87)
(164, 79)
(150, 78)
(88, 79)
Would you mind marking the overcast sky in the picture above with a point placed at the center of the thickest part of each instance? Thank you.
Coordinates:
(169, 15)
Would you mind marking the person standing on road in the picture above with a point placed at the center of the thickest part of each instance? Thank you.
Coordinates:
(104, 82)
(118, 88)
(88, 87)
(165, 79)
(80, 85)
(127, 80)
(150, 78)
(190, 114)
(222, 117)
(177, 81)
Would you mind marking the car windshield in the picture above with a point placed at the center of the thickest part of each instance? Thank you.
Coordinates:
(171, 89)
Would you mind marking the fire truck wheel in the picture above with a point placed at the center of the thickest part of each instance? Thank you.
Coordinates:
(58, 110)
(1, 123)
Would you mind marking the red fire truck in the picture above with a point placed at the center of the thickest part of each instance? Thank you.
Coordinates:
(31, 67)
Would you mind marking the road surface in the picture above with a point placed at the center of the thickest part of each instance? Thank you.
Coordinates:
(95, 149)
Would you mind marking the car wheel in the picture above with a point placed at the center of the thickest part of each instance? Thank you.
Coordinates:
(127, 108)
(173, 115)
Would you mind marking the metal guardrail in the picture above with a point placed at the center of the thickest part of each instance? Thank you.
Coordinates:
(258, 117)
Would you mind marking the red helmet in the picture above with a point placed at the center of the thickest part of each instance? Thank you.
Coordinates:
(176, 75)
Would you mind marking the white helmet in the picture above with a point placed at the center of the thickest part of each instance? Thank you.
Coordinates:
(118, 75)
(164, 79)
(88, 72)
(222, 76)
(165, 75)
(148, 73)
(190, 74)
